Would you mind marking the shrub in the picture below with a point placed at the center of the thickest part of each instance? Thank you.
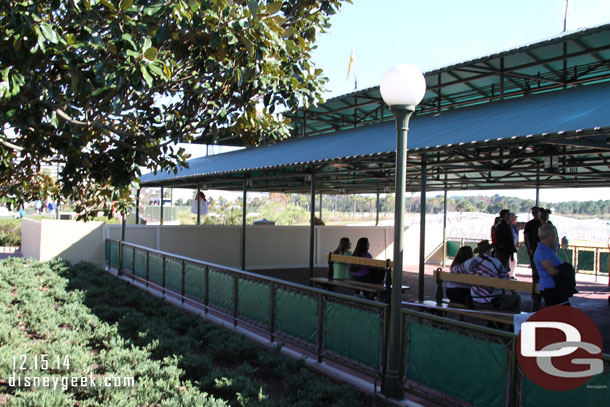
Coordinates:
(10, 232)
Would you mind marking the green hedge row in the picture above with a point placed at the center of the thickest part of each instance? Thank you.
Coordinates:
(10, 232)
(108, 328)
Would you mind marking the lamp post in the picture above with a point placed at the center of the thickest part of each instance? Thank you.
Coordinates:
(402, 88)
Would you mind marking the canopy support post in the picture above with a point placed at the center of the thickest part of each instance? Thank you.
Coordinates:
(422, 230)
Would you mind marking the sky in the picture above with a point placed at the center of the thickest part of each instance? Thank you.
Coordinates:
(433, 34)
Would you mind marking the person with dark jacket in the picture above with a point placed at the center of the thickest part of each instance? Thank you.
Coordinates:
(530, 239)
(505, 243)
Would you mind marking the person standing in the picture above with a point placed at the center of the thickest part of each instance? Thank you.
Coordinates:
(505, 243)
(547, 264)
(544, 220)
(515, 231)
(530, 239)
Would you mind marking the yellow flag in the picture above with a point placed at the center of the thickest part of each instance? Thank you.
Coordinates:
(352, 61)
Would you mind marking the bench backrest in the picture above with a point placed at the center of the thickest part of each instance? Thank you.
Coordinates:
(362, 261)
(494, 282)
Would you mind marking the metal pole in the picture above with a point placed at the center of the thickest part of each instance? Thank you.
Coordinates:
(537, 187)
(138, 207)
(320, 206)
(161, 206)
(121, 247)
(243, 227)
(198, 204)
(312, 226)
(445, 224)
(422, 231)
(402, 115)
(377, 210)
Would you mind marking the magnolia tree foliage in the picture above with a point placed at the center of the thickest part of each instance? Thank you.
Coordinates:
(105, 88)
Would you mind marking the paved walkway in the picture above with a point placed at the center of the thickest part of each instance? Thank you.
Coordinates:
(4, 254)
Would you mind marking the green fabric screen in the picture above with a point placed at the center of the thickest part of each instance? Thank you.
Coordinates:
(254, 301)
(471, 369)
(140, 264)
(565, 255)
(173, 274)
(114, 254)
(594, 393)
(522, 256)
(603, 262)
(296, 315)
(220, 290)
(353, 333)
(155, 268)
(586, 260)
(452, 247)
(128, 258)
(194, 281)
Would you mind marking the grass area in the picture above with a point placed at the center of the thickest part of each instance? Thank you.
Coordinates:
(10, 232)
(105, 328)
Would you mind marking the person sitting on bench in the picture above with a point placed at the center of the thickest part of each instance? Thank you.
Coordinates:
(487, 266)
(457, 292)
(365, 274)
(341, 270)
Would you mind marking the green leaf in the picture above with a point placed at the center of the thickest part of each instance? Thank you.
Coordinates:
(129, 39)
(156, 69)
(108, 5)
(151, 53)
(194, 4)
(125, 4)
(70, 39)
(274, 7)
(146, 76)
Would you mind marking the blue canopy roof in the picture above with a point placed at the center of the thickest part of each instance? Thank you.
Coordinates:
(564, 114)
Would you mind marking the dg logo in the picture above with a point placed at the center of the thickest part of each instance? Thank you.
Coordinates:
(560, 348)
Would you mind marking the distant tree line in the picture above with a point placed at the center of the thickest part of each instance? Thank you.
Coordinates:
(434, 204)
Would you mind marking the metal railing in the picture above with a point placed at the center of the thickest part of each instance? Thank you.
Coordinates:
(457, 363)
(585, 259)
(451, 362)
(347, 330)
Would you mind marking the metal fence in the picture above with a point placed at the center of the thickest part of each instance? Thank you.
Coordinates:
(585, 259)
(450, 362)
(347, 330)
(457, 363)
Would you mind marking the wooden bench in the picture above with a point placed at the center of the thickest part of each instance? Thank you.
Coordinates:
(443, 305)
(384, 290)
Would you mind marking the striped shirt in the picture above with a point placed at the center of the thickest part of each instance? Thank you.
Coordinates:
(485, 266)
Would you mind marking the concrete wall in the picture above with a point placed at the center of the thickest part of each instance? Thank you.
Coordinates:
(70, 240)
(31, 232)
(267, 246)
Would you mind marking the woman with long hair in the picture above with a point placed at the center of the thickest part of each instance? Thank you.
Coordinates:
(364, 273)
(341, 270)
(457, 292)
